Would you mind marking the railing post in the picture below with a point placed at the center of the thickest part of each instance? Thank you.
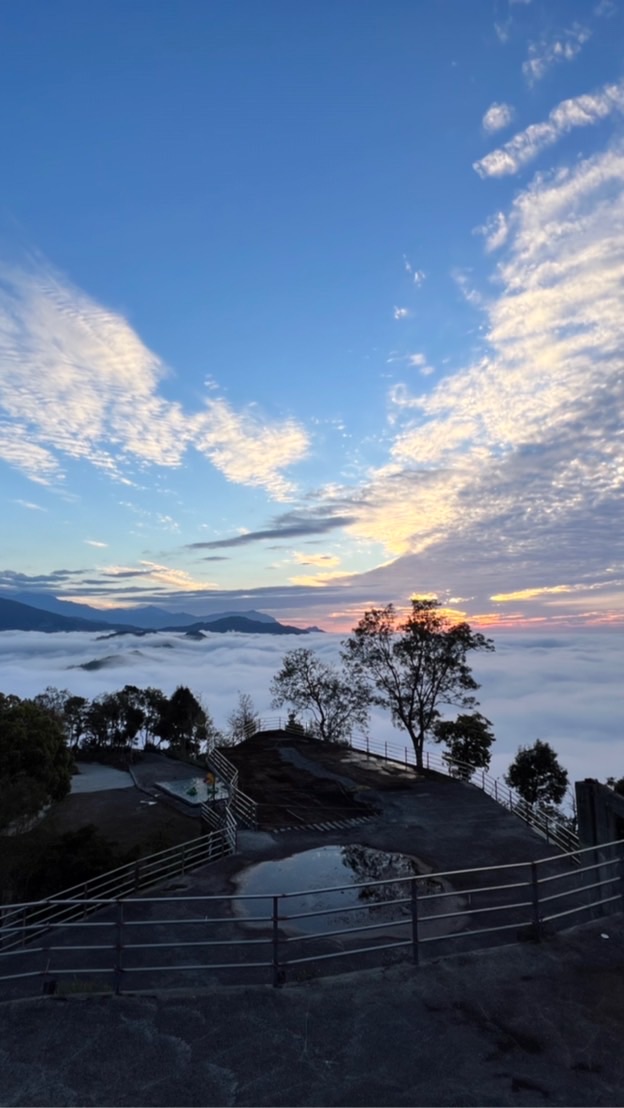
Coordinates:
(278, 975)
(495, 790)
(483, 780)
(137, 876)
(118, 973)
(386, 751)
(183, 858)
(537, 923)
(622, 874)
(48, 984)
(367, 747)
(415, 947)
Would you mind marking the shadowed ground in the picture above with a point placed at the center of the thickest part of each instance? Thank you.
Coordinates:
(520, 1025)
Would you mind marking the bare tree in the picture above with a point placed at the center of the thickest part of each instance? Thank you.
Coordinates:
(336, 703)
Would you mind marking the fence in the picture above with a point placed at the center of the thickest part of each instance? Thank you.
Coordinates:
(244, 808)
(24, 923)
(19, 923)
(141, 944)
(553, 828)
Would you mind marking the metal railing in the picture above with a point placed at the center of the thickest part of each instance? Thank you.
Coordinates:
(244, 808)
(24, 922)
(552, 827)
(143, 944)
(240, 808)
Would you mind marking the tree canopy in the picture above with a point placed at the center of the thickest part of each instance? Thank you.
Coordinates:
(35, 762)
(336, 704)
(468, 739)
(415, 665)
(537, 775)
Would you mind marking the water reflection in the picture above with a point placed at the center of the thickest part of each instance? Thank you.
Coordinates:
(349, 866)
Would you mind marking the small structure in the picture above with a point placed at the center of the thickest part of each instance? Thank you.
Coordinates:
(600, 813)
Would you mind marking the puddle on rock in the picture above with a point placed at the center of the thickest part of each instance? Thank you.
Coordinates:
(353, 867)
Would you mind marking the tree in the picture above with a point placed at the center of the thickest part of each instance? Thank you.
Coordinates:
(69, 710)
(336, 704)
(468, 739)
(537, 775)
(35, 763)
(415, 665)
(244, 720)
(186, 724)
(154, 704)
(75, 710)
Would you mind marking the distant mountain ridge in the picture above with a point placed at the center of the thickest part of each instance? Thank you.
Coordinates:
(149, 618)
(20, 616)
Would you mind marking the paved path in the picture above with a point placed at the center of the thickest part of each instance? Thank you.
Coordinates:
(94, 778)
(520, 1025)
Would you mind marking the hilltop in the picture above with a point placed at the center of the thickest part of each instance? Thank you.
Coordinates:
(51, 615)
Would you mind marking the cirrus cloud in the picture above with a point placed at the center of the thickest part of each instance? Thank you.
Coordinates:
(78, 384)
(579, 111)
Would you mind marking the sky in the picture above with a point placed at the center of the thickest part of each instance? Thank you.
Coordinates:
(561, 688)
(312, 307)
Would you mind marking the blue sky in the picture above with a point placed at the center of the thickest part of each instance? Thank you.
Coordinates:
(307, 307)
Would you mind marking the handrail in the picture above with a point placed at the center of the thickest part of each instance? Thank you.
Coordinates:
(553, 830)
(222, 839)
(244, 807)
(485, 909)
(145, 872)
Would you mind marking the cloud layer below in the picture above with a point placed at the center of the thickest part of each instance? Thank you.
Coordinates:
(565, 690)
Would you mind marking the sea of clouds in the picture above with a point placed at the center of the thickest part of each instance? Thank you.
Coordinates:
(565, 689)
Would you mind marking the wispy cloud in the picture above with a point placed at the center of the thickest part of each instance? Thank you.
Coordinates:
(417, 275)
(401, 313)
(605, 9)
(30, 505)
(497, 117)
(532, 594)
(495, 231)
(77, 384)
(581, 111)
(317, 580)
(545, 53)
(326, 561)
(519, 455)
(34, 461)
(247, 450)
(95, 542)
(295, 524)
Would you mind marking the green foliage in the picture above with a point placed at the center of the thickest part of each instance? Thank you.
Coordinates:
(537, 775)
(468, 739)
(35, 762)
(415, 665)
(336, 705)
